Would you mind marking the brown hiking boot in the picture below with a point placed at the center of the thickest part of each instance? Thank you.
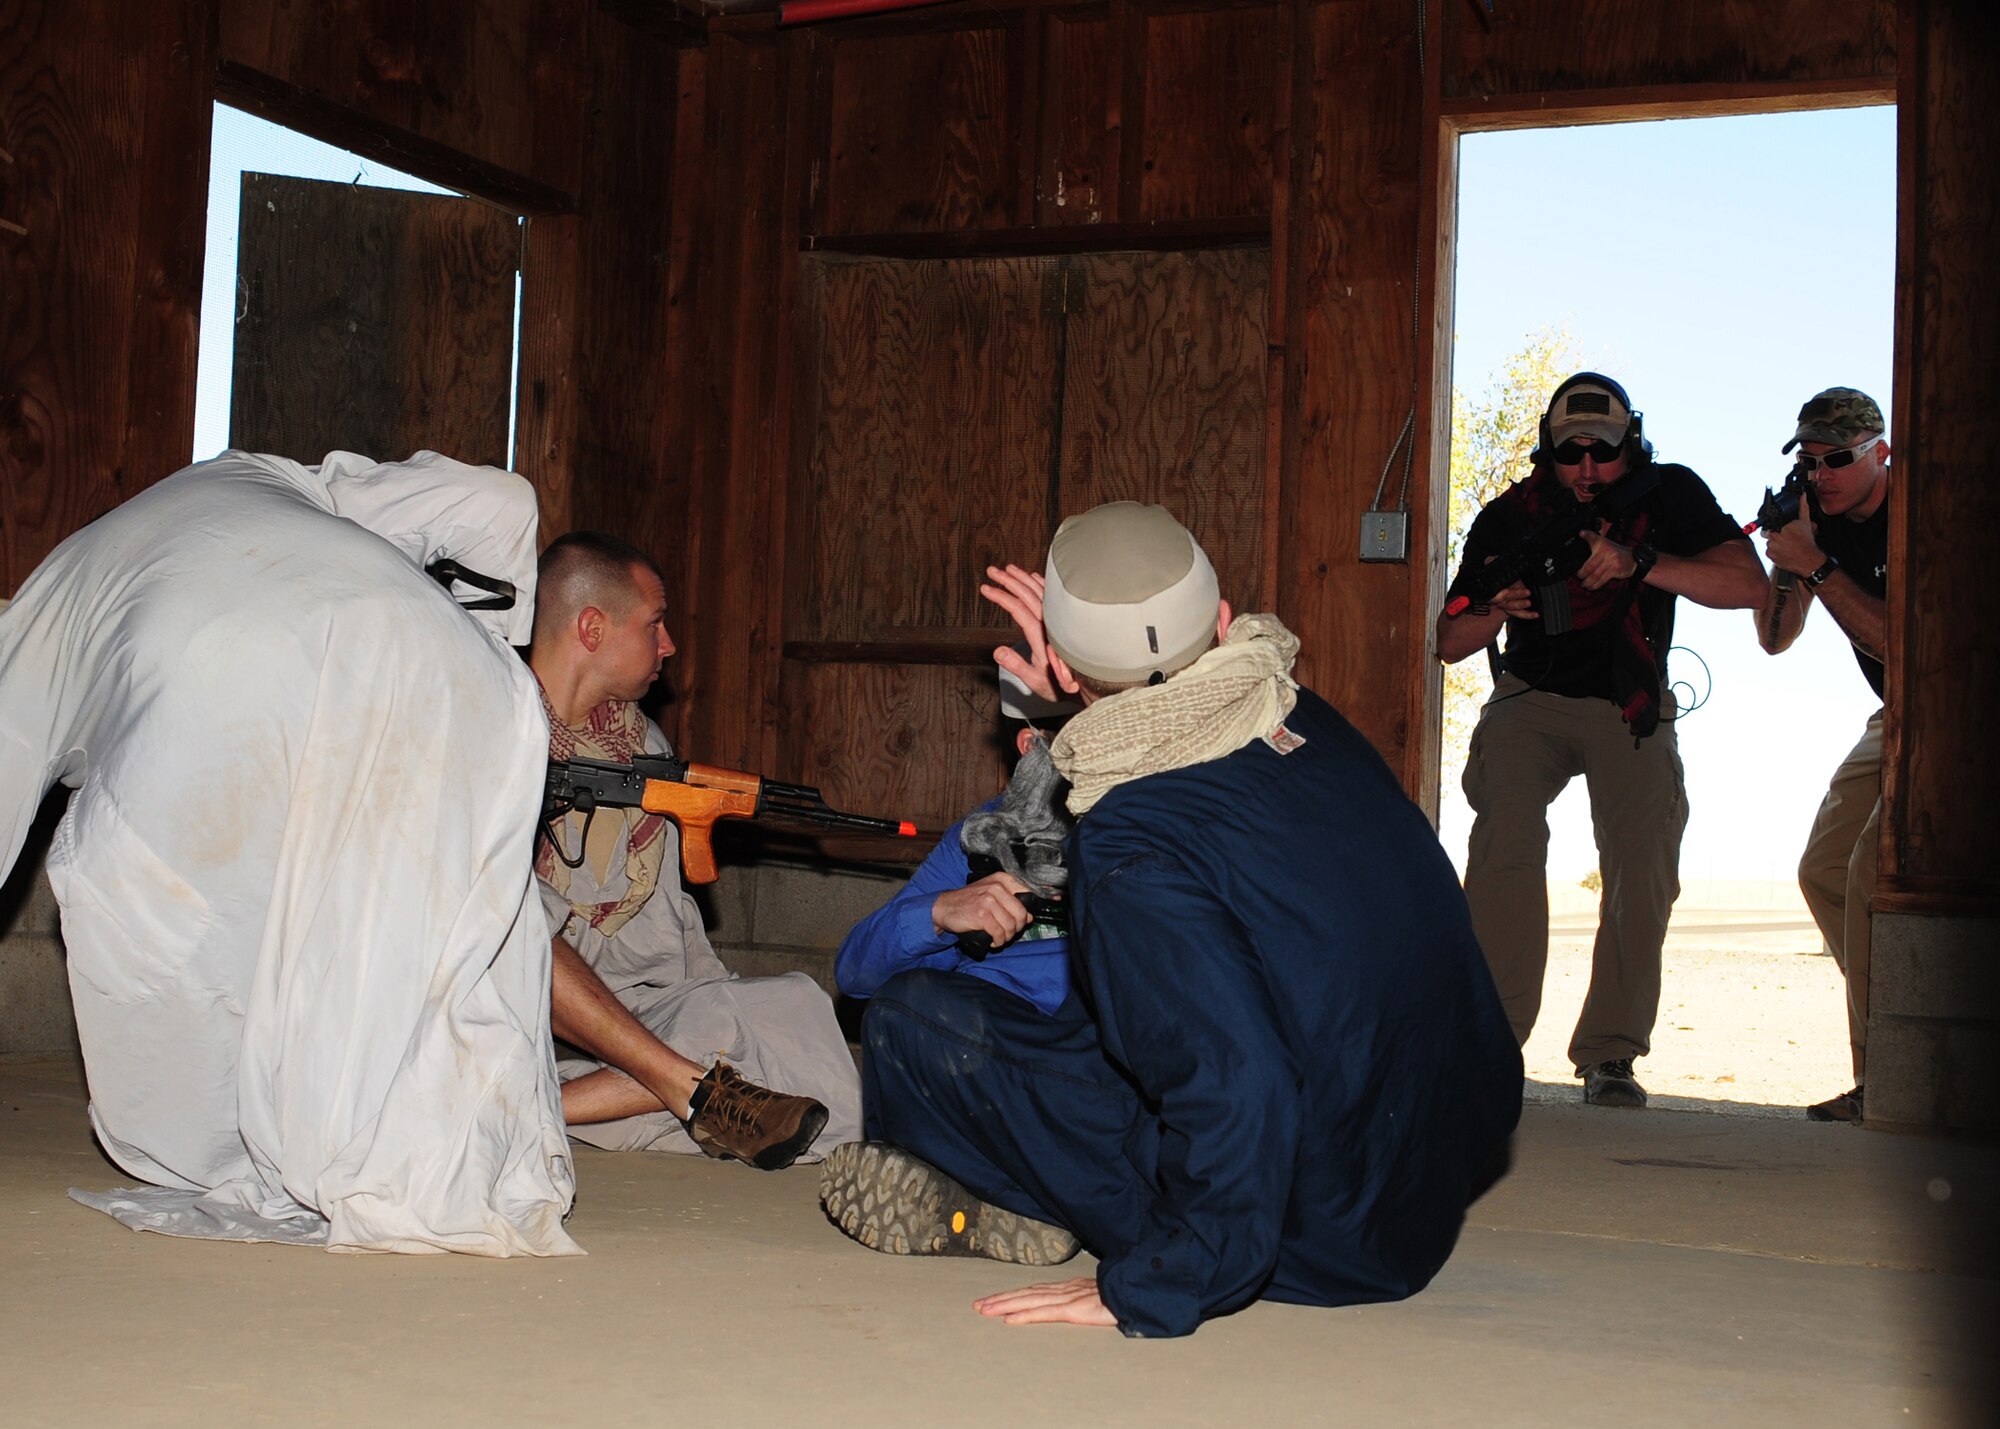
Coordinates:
(898, 1204)
(733, 1119)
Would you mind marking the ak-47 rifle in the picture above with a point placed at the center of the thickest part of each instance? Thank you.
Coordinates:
(694, 796)
(1555, 550)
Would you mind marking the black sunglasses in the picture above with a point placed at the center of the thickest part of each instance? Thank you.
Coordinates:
(1572, 452)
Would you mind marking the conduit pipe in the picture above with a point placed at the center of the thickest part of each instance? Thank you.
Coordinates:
(805, 12)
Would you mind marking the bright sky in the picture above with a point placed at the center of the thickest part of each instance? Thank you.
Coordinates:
(1723, 270)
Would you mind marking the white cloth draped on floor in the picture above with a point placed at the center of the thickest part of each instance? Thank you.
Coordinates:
(310, 971)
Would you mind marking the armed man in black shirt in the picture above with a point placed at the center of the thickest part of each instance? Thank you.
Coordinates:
(1837, 551)
(1581, 562)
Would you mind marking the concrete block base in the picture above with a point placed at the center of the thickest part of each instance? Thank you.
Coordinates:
(1934, 1023)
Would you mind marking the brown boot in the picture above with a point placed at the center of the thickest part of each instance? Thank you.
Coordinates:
(733, 1119)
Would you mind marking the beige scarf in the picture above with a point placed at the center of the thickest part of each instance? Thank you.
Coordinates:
(614, 731)
(1239, 691)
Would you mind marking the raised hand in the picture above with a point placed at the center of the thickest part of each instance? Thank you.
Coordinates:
(1019, 593)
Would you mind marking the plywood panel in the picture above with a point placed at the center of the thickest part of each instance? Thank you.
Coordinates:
(725, 541)
(933, 402)
(1531, 46)
(1210, 88)
(104, 112)
(1165, 399)
(920, 136)
(499, 80)
(916, 742)
(1079, 180)
(372, 320)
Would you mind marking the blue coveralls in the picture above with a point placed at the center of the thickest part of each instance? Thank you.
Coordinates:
(1293, 1074)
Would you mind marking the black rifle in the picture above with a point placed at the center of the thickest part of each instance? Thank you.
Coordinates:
(1781, 507)
(1555, 550)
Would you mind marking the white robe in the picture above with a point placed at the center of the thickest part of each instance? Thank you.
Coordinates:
(310, 971)
(780, 1032)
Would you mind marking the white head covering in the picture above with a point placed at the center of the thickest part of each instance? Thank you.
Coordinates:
(1128, 593)
(432, 507)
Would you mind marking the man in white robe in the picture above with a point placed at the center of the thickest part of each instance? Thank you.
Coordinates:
(310, 973)
(682, 1054)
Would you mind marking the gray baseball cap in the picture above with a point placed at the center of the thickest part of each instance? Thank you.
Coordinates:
(1129, 592)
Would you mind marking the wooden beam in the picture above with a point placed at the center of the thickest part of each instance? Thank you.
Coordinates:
(1178, 236)
(334, 123)
(1550, 109)
(936, 647)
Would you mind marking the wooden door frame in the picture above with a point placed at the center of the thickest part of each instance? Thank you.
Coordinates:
(1446, 121)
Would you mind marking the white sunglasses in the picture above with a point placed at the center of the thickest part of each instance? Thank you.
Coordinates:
(1846, 456)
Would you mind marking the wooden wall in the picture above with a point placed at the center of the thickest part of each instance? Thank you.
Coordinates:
(1943, 775)
(104, 117)
(967, 136)
(481, 95)
(680, 182)
(1025, 128)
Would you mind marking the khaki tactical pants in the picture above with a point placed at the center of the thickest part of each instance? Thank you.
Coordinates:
(1526, 749)
(1837, 873)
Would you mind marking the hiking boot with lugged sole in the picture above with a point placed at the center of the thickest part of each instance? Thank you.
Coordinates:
(734, 1119)
(890, 1201)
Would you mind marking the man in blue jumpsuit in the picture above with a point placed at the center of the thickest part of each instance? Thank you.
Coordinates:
(1294, 1073)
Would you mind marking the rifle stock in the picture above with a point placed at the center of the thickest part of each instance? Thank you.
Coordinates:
(695, 797)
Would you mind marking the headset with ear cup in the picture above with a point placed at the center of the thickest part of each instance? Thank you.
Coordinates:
(1634, 439)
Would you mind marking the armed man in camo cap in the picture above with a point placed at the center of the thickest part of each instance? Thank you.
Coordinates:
(1837, 551)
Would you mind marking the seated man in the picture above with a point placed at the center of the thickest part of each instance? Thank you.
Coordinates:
(916, 936)
(310, 976)
(635, 977)
(922, 925)
(1315, 1077)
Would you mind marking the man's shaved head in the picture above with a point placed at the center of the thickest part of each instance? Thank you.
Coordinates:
(587, 568)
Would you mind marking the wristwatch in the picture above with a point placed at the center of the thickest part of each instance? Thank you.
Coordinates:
(1818, 577)
(1644, 558)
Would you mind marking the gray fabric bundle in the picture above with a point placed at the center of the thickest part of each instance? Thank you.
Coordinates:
(1025, 834)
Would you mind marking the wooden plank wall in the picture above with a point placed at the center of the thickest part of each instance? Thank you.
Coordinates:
(675, 193)
(104, 119)
(1942, 775)
(1023, 128)
(965, 131)
(479, 95)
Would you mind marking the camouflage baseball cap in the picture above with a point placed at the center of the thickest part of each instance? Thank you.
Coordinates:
(1840, 416)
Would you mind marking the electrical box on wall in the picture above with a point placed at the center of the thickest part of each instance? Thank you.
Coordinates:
(1385, 535)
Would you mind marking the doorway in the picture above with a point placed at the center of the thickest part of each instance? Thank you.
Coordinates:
(1723, 270)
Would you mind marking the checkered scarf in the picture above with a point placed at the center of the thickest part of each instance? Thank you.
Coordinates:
(1239, 691)
(614, 731)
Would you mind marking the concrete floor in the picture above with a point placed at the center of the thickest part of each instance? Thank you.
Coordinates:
(1636, 1268)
